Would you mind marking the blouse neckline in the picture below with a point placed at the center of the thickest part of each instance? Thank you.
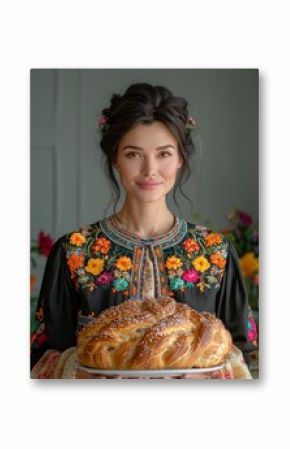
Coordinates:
(125, 238)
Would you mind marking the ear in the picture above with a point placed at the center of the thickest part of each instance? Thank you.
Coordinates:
(180, 161)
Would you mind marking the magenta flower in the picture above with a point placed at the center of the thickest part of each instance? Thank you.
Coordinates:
(190, 276)
(252, 330)
(105, 278)
(245, 219)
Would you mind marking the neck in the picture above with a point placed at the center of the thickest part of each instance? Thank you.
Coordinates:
(145, 222)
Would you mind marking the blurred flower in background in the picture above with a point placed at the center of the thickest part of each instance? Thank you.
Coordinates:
(39, 248)
(45, 243)
(245, 236)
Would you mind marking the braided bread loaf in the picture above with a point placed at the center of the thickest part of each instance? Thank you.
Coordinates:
(153, 334)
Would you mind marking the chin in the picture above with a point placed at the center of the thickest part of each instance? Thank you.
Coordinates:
(149, 196)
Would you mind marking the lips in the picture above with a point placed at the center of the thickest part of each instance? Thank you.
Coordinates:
(149, 183)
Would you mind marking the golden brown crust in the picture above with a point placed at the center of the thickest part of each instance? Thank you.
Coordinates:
(153, 334)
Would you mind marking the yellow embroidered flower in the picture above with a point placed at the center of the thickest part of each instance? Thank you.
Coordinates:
(123, 263)
(102, 244)
(213, 238)
(77, 239)
(74, 262)
(218, 260)
(95, 266)
(249, 264)
(201, 286)
(173, 262)
(201, 264)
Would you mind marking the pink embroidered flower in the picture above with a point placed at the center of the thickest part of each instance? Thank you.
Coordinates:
(190, 276)
(252, 329)
(105, 278)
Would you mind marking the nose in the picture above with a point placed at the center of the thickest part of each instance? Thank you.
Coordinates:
(148, 166)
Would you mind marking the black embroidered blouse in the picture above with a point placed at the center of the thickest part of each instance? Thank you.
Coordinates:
(102, 265)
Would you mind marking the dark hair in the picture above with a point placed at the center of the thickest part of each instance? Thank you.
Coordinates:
(144, 103)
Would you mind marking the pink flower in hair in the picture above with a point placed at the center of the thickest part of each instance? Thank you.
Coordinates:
(103, 120)
(191, 120)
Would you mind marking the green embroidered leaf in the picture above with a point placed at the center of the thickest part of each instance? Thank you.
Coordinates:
(83, 279)
(211, 279)
(189, 285)
(89, 245)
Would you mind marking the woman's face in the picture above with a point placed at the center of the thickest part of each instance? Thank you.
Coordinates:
(148, 154)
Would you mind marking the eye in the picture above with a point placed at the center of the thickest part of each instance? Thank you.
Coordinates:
(166, 152)
(132, 154)
(128, 155)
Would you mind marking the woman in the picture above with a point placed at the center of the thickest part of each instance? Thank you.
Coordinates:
(143, 249)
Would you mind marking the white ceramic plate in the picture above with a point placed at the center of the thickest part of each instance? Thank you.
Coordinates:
(150, 373)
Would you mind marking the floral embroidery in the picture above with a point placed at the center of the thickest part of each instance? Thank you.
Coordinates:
(77, 239)
(218, 260)
(213, 238)
(190, 245)
(102, 244)
(252, 327)
(124, 263)
(95, 266)
(199, 262)
(173, 262)
(93, 262)
(38, 337)
(74, 262)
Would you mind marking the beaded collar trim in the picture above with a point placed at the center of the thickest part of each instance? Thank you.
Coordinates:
(125, 238)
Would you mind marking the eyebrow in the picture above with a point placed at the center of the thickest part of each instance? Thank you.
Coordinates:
(136, 147)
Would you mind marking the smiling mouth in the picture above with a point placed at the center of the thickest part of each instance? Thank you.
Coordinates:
(149, 186)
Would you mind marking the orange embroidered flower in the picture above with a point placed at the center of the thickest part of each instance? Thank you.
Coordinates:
(190, 245)
(249, 264)
(95, 266)
(213, 238)
(173, 262)
(75, 261)
(201, 264)
(123, 263)
(218, 260)
(101, 244)
(77, 239)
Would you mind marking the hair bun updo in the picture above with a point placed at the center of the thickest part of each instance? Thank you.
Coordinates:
(115, 101)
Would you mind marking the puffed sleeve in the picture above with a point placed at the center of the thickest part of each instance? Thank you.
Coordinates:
(57, 307)
(232, 303)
